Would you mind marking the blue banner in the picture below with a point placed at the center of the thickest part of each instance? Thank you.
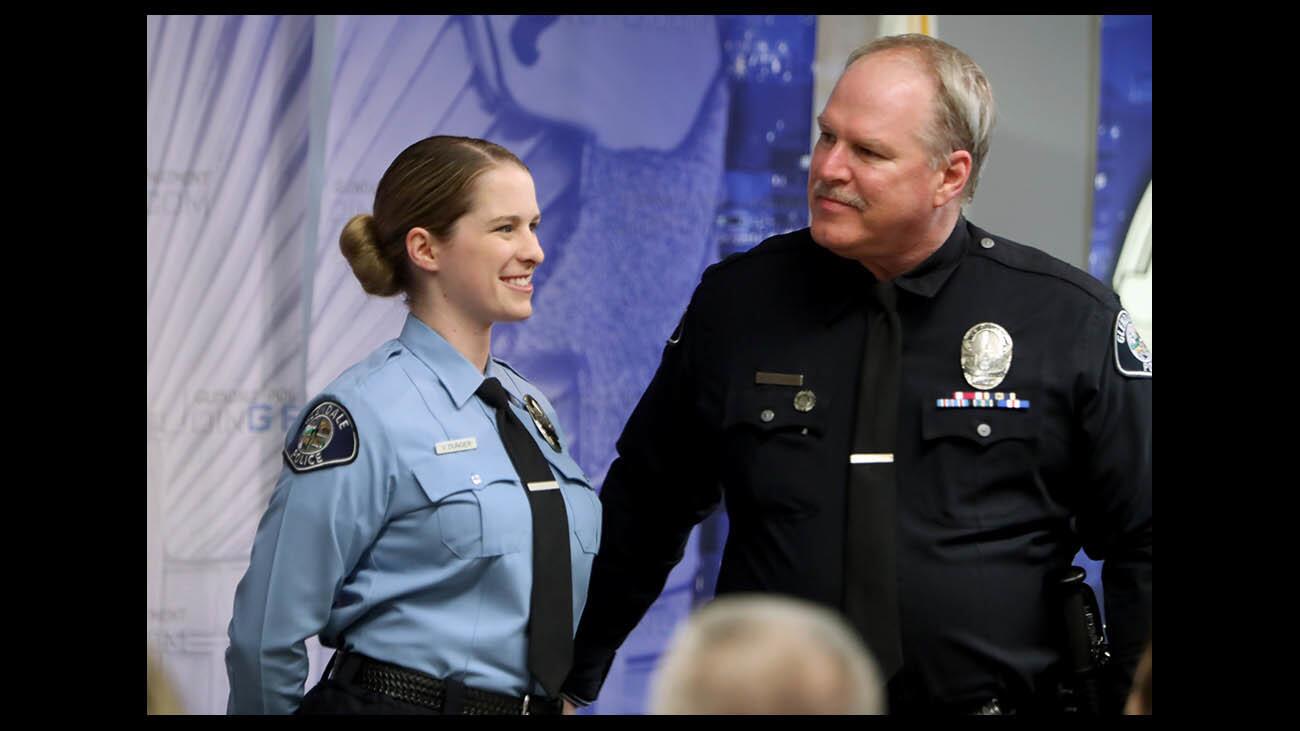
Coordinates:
(659, 144)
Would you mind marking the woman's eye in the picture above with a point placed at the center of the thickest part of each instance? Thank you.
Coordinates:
(506, 228)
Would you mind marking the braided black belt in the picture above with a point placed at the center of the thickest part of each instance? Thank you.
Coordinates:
(412, 686)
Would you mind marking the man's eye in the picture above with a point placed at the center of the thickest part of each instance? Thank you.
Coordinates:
(506, 228)
(827, 137)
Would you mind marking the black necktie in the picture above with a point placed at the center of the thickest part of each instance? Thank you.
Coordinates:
(870, 572)
(550, 614)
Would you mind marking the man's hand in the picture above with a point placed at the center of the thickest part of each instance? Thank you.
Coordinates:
(569, 708)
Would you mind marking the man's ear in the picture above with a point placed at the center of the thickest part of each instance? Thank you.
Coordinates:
(955, 173)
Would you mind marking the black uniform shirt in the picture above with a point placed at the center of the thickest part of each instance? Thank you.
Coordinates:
(989, 500)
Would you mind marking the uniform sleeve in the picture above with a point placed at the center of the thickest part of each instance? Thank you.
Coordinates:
(662, 483)
(1115, 518)
(313, 532)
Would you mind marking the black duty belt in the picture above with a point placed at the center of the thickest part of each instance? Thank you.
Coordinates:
(413, 686)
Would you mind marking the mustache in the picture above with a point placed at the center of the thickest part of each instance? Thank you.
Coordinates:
(839, 195)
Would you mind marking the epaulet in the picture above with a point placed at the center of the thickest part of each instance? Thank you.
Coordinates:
(376, 360)
(1029, 259)
(510, 368)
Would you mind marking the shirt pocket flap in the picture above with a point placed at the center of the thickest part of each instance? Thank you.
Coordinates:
(981, 427)
(477, 503)
(772, 408)
(567, 467)
(448, 474)
(584, 506)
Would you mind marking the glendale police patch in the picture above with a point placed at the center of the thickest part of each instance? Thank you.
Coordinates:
(328, 437)
(1132, 356)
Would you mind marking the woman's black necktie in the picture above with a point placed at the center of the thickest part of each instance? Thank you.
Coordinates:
(550, 615)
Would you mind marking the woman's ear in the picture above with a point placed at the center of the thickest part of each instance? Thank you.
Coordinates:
(421, 248)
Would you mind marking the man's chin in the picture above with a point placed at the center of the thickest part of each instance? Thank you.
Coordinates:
(835, 238)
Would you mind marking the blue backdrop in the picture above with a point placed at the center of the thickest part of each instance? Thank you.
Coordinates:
(658, 143)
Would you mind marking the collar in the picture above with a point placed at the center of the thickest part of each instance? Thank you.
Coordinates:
(458, 376)
(509, 378)
(848, 281)
(928, 277)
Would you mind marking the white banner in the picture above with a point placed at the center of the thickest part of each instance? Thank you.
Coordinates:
(227, 188)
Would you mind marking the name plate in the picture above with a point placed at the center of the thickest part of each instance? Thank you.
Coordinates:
(456, 445)
(778, 379)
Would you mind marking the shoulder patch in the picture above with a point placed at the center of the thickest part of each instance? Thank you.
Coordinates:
(1132, 356)
(328, 437)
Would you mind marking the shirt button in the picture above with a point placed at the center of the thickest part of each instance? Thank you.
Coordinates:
(986, 242)
(767, 415)
(983, 430)
(475, 479)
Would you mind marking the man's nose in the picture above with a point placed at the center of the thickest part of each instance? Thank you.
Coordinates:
(828, 164)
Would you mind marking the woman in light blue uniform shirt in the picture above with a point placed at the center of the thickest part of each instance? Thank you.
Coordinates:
(399, 530)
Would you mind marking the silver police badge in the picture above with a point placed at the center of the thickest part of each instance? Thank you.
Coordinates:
(805, 400)
(985, 355)
(544, 425)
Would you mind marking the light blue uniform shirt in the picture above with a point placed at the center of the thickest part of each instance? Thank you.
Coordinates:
(403, 554)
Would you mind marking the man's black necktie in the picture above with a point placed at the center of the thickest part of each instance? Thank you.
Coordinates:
(550, 615)
(870, 571)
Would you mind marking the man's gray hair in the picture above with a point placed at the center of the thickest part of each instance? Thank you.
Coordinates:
(766, 654)
(964, 114)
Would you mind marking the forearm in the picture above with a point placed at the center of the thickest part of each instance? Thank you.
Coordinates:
(1126, 581)
(644, 536)
(265, 679)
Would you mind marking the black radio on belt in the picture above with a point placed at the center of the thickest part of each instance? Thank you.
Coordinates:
(1083, 635)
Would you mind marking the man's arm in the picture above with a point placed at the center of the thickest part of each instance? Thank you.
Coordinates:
(661, 485)
(1115, 518)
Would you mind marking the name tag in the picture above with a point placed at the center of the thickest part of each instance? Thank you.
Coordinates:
(548, 485)
(456, 445)
(778, 379)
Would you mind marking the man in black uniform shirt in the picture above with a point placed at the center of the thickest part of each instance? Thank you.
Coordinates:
(910, 419)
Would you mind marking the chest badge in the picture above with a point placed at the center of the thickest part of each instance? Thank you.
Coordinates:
(544, 425)
(805, 400)
(985, 355)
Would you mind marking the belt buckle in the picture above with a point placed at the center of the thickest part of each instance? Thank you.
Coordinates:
(527, 699)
